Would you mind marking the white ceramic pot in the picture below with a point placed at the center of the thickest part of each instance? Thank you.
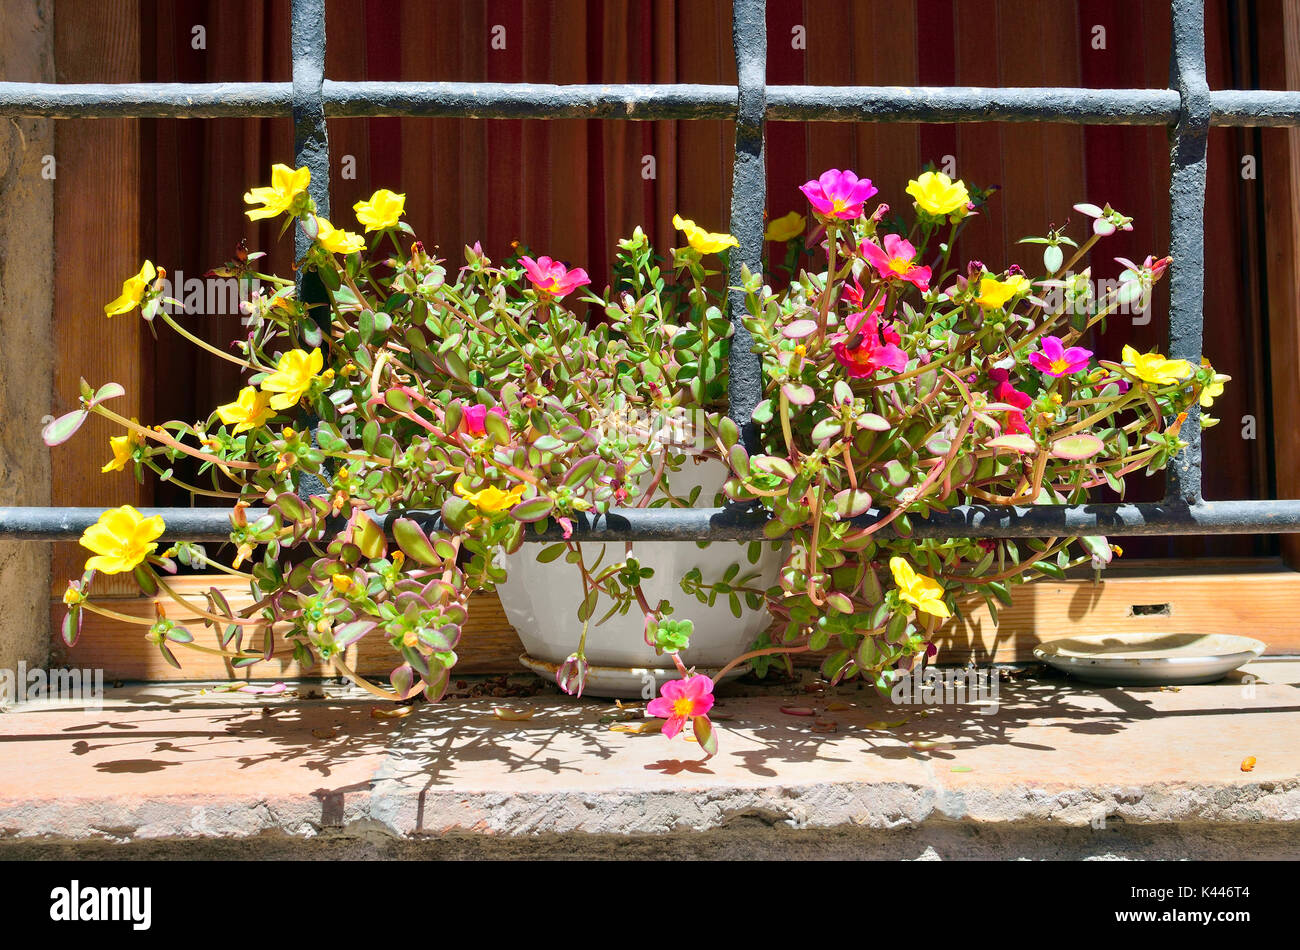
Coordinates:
(541, 602)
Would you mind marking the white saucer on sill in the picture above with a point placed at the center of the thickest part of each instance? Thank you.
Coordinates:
(1149, 659)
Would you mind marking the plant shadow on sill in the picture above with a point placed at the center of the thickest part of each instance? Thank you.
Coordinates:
(461, 742)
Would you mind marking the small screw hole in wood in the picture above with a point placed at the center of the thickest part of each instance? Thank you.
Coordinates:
(1149, 610)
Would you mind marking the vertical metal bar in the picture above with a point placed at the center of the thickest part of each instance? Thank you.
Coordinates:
(310, 139)
(1187, 152)
(311, 148)
(748, 197)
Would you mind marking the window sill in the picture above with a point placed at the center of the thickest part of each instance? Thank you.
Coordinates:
(160, 763)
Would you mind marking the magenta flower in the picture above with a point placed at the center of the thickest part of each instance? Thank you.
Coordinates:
(552, 277)
(875, 348)
(680, 700)
(895, 261)
(1007, 394)
(1053, 359)
(838, 194)
(474, 417)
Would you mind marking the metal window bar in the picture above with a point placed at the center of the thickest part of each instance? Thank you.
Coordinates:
(1188, 108)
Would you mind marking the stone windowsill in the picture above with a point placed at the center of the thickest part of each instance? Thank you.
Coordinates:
(162, 762)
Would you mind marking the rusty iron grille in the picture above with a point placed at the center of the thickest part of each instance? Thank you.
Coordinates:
(1188, 108)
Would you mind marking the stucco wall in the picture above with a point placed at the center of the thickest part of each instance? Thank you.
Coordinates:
(26, 310)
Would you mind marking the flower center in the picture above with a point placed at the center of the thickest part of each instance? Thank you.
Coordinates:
(900, 265)
(683, 706)
(1060, 367)
(838, 204)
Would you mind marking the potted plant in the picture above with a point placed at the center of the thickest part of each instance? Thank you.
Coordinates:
(900, 381)
(478, 393)
(895, 380)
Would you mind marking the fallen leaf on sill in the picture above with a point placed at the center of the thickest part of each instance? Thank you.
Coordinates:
(798, 711)
(1249, 764)
(643, 728)
(1171, 689)
(396, 712)
(838, 707)
(824, 725)
(881, 724)
(961, 768)
(927, 745)
(513, 715)
(324, 733)
(620, 715)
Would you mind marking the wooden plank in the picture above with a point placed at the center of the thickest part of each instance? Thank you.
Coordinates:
(121, 651)
(1255, 598)
(97, 244)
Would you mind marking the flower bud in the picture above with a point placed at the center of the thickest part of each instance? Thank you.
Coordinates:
(572, 674)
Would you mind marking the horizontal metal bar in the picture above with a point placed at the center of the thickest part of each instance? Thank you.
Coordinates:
(740, 524)
(490, 100)
(970, 104)
(209, 100)
(1254, 107)
(663, 101)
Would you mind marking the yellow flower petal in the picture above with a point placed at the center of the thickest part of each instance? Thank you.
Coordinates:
(706, 242)
(785, 228)
(937, 194)
(249, 411)
(286, 185)
(925, 593)
(293, 376)
(381, 211)
(337, 241)
(121, 539)
(133, 291)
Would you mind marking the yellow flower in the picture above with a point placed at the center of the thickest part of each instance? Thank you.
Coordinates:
(73, 596)
(924, 592)
(1154, 368)
(381, 211)
(994, 293)
(706, 242)
(939, 195)
(121, 539)
(292, 378)
(491, 499)
(250, 410)
(1212, 391)
(123, 446)
(785, 228)
(286, 185)
(337, 241)
(133, 291)
(342, 583)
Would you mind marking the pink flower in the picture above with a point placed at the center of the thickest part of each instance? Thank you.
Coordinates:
(473, 419)
(1053, 359)
(838, 194)
(1004, 392)
(895, 261)
(876, 348)
(552, 277)
(680, 700)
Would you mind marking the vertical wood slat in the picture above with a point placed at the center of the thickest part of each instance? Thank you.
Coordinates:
(97, 218)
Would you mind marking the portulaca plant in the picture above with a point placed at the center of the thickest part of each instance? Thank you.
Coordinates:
(895, 379)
